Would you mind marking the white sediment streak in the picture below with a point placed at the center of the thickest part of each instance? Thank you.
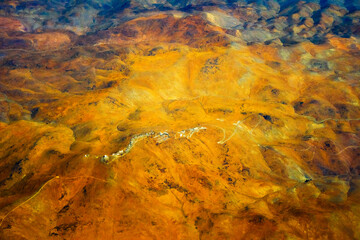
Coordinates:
(159, 138)
(162, 137)
(133, 140)
(188, 132)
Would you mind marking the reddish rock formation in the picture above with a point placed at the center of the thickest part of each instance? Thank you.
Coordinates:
(179, 125)
(9, 25)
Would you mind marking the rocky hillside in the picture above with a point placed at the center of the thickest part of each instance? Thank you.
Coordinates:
(179, 119)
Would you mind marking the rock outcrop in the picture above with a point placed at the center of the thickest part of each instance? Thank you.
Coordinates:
(179, 119)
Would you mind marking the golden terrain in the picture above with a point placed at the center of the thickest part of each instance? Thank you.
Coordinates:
(243, 142)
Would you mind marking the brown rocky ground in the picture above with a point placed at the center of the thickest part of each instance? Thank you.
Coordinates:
(143, 131)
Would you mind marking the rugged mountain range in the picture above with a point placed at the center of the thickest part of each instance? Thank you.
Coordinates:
(252, 21)
(179, 119)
